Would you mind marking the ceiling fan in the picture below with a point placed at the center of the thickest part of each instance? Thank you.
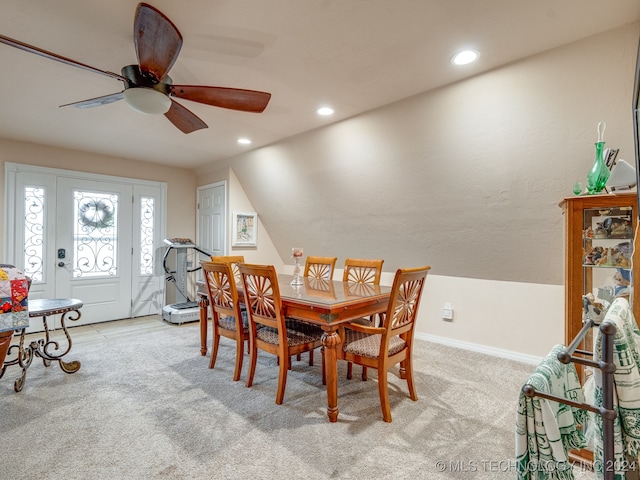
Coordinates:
(147, 87)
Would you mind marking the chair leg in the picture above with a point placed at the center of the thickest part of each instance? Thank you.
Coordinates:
(383, 388)
(239, 355)
(215, 341)
(409, 374)
(253, 357)
(311, 358)
(364, 374)
(349, 370)
(285, 364)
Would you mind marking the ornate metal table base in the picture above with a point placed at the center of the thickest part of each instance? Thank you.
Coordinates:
(47, 348)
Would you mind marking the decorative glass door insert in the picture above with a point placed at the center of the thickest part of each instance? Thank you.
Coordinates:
(95, 239)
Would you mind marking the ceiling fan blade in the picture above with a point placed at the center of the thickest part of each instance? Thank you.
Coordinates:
(232, 98)
(96, 102)
(184, 119)
(158, 41)
(58, 58)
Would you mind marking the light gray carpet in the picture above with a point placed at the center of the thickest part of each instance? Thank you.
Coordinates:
(148, 407)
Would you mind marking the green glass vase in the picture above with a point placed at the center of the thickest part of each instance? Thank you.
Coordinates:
(599, 173)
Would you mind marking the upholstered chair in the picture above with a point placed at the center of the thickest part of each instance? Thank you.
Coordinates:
(228, 320)
(269, 330)
(391, 343)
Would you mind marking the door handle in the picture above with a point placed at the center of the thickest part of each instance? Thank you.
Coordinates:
(63, 264)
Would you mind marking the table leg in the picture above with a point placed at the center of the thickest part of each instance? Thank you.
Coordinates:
(331, 342)
(49, 349)
(204, 309)
(23, 360)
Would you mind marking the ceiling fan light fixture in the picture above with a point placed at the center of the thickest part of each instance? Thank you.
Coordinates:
(147, 100)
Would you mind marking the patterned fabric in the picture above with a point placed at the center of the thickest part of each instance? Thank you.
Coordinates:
(297, 333)
(367, 345)
(229, 323)
(545, 429)
(14, 289)
(626, 379)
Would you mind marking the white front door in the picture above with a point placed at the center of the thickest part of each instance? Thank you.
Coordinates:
(94, 246)
(92, 237)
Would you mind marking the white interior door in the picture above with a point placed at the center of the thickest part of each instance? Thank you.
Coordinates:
(92, 237)
(212, 206)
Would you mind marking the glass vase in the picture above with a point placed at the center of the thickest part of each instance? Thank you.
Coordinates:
(296, 253)
(599, 173)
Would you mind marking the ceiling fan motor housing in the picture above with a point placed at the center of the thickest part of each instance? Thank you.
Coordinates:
(138, 79)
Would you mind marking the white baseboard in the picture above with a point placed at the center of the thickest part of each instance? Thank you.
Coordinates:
(474, 347)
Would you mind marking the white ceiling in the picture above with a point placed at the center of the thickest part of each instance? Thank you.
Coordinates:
(355, 55)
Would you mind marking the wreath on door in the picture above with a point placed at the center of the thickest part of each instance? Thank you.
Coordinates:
(96, 213)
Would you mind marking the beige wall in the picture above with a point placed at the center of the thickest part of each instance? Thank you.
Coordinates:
(489, 315)
(466, 179)
(181, 183)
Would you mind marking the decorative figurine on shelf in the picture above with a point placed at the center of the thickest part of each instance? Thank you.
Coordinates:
(592, 310)
(599, 173)
(593, 256)
(588, 233)
(296, 253)
(622, 281)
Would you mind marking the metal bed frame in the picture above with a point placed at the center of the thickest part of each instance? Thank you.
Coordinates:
(608, 368)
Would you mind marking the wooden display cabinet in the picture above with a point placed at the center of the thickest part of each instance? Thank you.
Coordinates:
(599, 240)
(595, 249)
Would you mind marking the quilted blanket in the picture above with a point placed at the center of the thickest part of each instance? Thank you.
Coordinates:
(14, 289)
(545, 429)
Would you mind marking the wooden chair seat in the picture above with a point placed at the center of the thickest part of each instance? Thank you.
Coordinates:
(229, 323)
(367, 345)
(294, 337)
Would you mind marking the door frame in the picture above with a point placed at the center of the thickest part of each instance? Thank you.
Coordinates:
(11, 175)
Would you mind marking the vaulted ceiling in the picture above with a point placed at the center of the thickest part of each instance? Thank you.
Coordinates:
(355, 55)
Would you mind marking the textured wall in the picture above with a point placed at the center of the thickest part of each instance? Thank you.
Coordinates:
(466, 178)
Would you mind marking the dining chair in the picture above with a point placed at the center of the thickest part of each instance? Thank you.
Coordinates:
(269, 330)
(359, 270)
(233, 260)
(362, 272)
(228, 319)
(392, 342)
(320, 267)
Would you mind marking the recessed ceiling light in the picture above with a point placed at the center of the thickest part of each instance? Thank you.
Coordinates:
(465, 57)
(324, 111)
(244, 141)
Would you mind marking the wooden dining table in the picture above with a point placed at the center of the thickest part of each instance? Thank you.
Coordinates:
(326, 303)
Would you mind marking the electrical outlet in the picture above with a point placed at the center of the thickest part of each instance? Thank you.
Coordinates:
(447, 312)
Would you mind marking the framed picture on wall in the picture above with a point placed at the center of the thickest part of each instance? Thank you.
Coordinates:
(244, 229)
